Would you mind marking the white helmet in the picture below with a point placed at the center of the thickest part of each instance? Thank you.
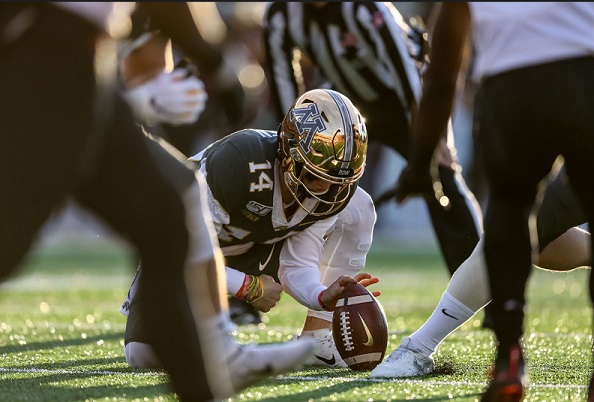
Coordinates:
(325, 135)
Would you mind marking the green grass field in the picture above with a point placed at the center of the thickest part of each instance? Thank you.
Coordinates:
(61, 336)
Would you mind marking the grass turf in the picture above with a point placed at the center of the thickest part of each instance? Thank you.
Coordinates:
(61, 336)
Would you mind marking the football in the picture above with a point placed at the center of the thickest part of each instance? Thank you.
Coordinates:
(359, 328)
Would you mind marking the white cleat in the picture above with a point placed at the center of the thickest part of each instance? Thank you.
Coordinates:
(404, 362)
(252, 363)
(325, 353)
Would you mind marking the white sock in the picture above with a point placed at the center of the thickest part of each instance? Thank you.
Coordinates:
(447, 316)
(317, 333)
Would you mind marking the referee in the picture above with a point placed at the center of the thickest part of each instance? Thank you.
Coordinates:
(366, 51)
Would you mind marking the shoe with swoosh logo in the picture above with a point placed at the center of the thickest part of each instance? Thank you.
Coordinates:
(251, 363)
(325, 354)
(404, 362)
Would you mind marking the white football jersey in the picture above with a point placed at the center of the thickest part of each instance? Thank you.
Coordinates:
(508, 36)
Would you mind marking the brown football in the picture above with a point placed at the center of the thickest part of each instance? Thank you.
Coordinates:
(359, 328)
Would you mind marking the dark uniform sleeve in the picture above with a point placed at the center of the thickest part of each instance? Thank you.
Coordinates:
(226, 171)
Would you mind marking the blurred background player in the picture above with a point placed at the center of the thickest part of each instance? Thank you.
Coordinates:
(532, 67)
(229, 106)
(83, 142)
(90, 148)
(292, 213)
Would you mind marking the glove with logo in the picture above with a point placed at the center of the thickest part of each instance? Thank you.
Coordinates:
(176, 98)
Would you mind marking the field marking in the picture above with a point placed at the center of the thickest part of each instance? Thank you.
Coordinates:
(295, 378)
(70, 372)
(418, 382)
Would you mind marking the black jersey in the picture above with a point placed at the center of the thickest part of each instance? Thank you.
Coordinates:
(242, 175)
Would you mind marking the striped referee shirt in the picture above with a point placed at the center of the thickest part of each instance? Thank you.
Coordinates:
(364, 50)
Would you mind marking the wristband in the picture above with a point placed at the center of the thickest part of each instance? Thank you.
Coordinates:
(242, 292)
(321, 303)
(251, 290)
(259, 291)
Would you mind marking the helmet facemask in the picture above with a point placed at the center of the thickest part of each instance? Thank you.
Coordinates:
(324, 136)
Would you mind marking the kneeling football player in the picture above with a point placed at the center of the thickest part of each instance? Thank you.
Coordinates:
(289, 215)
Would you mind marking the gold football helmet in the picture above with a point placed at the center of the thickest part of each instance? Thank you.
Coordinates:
(324, 135)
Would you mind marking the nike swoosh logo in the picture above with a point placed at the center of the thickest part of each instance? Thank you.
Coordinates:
(369, 341)
(261, 266)
(443, 310)
(331, 361)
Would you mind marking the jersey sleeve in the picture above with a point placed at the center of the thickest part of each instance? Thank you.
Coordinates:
(226, 176)
(299, 270)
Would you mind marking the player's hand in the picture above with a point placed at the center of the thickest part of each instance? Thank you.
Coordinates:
(330, 296)
(175, 98)
(366, 279)
(415, 181)
(411, 182)
(271, 294)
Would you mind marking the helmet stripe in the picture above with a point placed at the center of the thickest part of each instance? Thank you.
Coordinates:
(347, 123)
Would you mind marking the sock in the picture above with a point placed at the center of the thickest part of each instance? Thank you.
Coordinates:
(316, 333)
(447, 316)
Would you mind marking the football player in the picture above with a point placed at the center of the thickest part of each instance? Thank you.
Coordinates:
(563, 245)
(521, 114)
(288, 214)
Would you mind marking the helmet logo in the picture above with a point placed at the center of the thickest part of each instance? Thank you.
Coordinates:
(308, 121)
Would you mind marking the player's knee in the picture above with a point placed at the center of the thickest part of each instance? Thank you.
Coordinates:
(141, 355)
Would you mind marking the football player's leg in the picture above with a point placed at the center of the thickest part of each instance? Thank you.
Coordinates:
(128, 191)
(560, 209)
(468, 290)
(569, 251)
(42, 132)
(467, 293)
(459, 227)
(345, 252)
(243, 364)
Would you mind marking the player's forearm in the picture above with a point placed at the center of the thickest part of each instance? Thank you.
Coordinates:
(303, 284)
(440, 80)
(235, 280)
